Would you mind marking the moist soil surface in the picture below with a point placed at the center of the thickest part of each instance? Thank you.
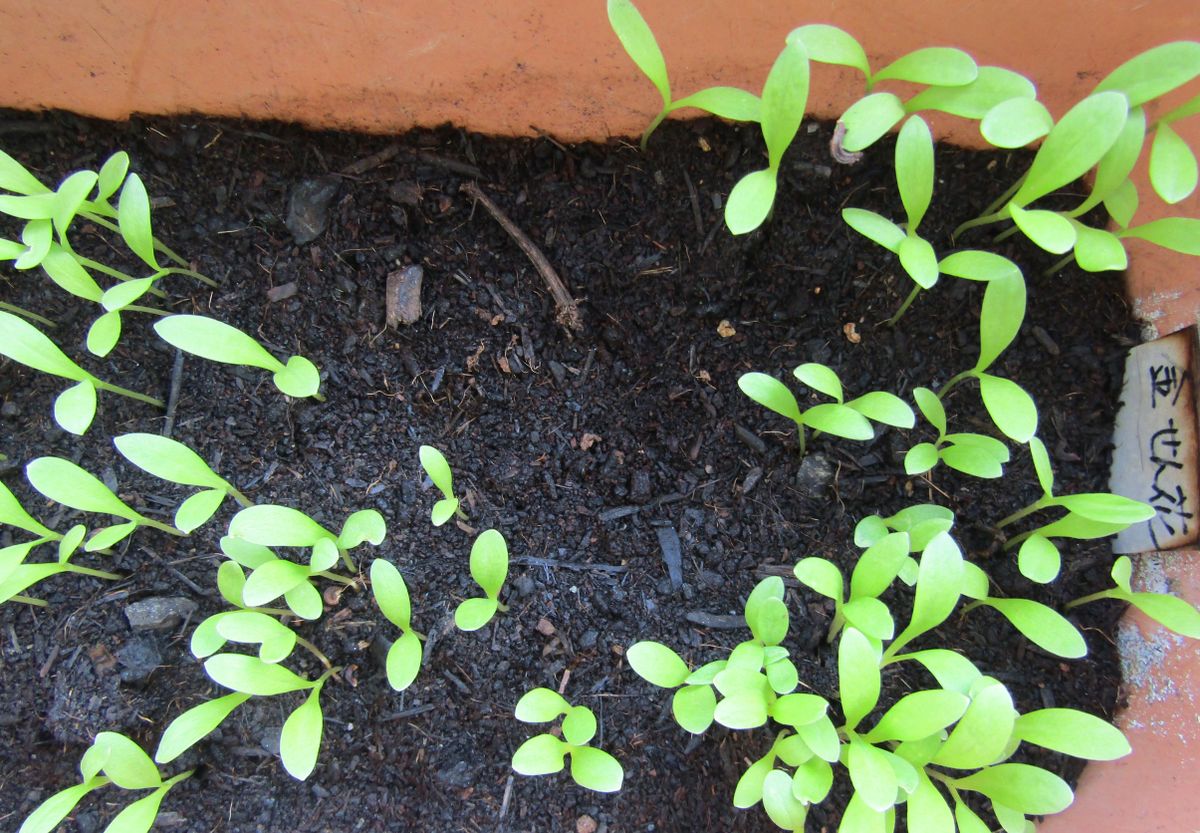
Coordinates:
(602, 456)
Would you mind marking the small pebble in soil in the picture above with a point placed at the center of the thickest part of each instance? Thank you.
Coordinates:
(404, 295)
(816, 472)
(668, 542)
(138, 658)
(308, 208)
(159, 613)
(752, 478)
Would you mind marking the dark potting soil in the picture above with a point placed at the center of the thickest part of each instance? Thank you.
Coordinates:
(592, 454)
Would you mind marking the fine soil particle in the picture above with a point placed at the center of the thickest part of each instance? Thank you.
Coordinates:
(642, 495)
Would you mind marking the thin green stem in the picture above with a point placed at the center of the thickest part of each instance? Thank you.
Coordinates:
(238, 496)
(140, 397)
(1040, 503)
(147, 310)
(28, 601)
(158, 244)
(161, 527)
(316, 652)
(654, 126)
(88, 571)
(1060, 264)
(349, 582)
(954, 380)
(1016, 539)
(1006, 196)
(803, 441)
(347, 560)
(191, 274)
(835, 626)
(1004, 235)
(978, 221)
(32, 316)
(97, 266)
(912, 296)
(1093, 597)
(320, 397)
(501, 606)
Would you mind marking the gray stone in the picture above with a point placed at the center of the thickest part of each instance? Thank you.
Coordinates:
(308, 208)
(816, 473)
(404, 295)
(159, 613)
(138, 658)
(668, 542)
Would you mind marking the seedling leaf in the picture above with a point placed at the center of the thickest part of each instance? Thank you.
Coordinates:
(1038, 559)
(1179, 234)
(771, 393)
(1016, 123)
(25, 344)
(579, 726)
(831, 45)
(975, 265)
(914, 169)
(66, 483)
(1043, 626)
(1022, 787)
(58, 806)
(858, 676)
(874, 227)
(1000, 317)
(443, 511)
(821, 378)
(919, 260)
(540, 755)
(940, 65)
(781, 807)
(276, 526)
(840, 421)
(1169, 611)
(189, 728)
(250, 675)
(75, 407)
(541, 705)
(364, 525)
(732, 103)
(992, 86)
(489, 562)
(596, 770)
(272, 580)
(300, 740)
(657, 664)
(983, 733)
(1154, 72)
(299, 378)
(750, 201)
(693, 707)
(198, 509)
(125, 763)
(869, 118)
(435, 465)
(403, 661)
(820, 575)
(639, 43)
(872, 774)
(1048, 229)
(214, 340)
(1074, 733)
(473, 614)
(391, 593)
(1010, 407)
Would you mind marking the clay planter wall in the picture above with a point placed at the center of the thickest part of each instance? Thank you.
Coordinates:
(525, 65)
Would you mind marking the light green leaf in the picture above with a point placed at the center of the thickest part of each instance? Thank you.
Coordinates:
(874, 227)
(983, 733)
(859, 818)
(1011, 821)
(919, 260)
(1022, 787)
(62, 268)
(541, 705)
(300, 741)
(1000, 317)
(1010, 407)
(277, 526)
(878, 566)
(305, 601)
(782, 676)
(1097, 250)
(579, 726)
(914, 169)
(1016, 123)
(935, 65)
(35, 207)
(820, 575)
(732, 103)
(839, 420)
(743, 709)
(872, 774)
(784, 98)
(206, 640)
(107, 537)
(75, 407)
(831, 45)
(1179, 234)
(70, 196)
(884, 407)
(1074, 733)
(596, 770)
(1101, 506)
(1038, 559)
(435, 465)
(1122, 572)
(1082, 136)
(299, 378)
(858, 676)
(919, 715)
(967, 821)
(250, 675)
(974, 460)
(251, 556)
(230, 582)
(870, 616)
(69, 543)
(869, 530)
(1112, 173)
(489, 562)
(272, 580)
(767, 589)
(168, 459)
(920, 458)
(189, 728)
(771, 625)
(198, 509)
(939, 583)
(1049, 230)
(364, 525)
(799, 709)
(1169, 611)
(1154, 72)
(927, 810)
(657, 664)
(771, 393)
(391, 593)
(736, 678)
(540, 755)
(1122, 204)
(16, 178)
(749, 790)
(126, 763)
(1041, 465)
(639, 43)
(869, 118)
(133, 217)
(952, 671)
(1043, 626)
(694, 707)
(820, 378)
(403, 661)
(750, 201)
(112, 174)
(1077, 526)
(214, 340)
(473, 614)
(781, 807)
(13, 514)
(36, 243)
(139, 816)
(104, 334)
(251, 627)
(992, 86)
(812, 780)
(25, 344)
(931, 408)
(1173, 170)
(58, 806)
(975, 265)
(66, 483)
(976, 583)
(822, 738)
(443, 511)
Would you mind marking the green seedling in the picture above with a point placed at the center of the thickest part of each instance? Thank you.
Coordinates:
(1040, 624)
(246, 676)
(920, 522)
(642, 47)
(1171, 612)
(489, 569)
(545, 754)
(1090, 515)
(64, 482)
(171, 460)
(111, 759)
(975, 454)
(75, 408)
(841, 419)
(438, 470)
(391, 594)
(219, 342)
(281, 526)
(876, 569)
(16, 576)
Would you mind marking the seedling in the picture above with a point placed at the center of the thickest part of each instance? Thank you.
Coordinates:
(15, 575)
(219, 342)
(874, 573)
(841, 419)
(66, 483)
(975, 454)
(75, 407)
(435, 465)
(641, 46)
(281, 526)
(1171, 612)
(111, 759)
(1090, 515)
(545, 754)
(171, 460)
(391, 594)
(489, 569)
